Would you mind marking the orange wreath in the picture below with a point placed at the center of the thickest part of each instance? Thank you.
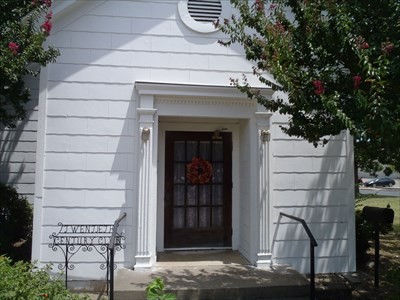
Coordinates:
(198, 171)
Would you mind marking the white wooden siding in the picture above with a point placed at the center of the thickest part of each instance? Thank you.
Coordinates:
(89, 158)
(18, 148)
(90, 116)
(313, 184)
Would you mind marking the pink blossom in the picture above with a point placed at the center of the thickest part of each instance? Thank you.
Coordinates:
(361, 43)
(259, 5)
(47, 3)
(357, 81)
(46, 27)
(387, 47)
(14, 47)
(364, 45)
(272, 6)
(318, 87)
(279, 27)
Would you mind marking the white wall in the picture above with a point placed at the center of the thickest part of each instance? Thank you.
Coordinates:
(90, 121)
(18, 148)
(313, 184)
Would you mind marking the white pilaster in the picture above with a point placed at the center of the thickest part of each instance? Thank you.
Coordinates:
(264, 255)
(39, 173)
(147, 197)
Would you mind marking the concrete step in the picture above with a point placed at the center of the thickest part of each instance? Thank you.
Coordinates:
(222, 275)
(215, 282)
(328, 287)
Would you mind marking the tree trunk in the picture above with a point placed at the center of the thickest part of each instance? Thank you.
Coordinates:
(357, 186)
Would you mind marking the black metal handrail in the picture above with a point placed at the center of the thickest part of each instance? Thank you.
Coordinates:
(313, 243)
(111, 249)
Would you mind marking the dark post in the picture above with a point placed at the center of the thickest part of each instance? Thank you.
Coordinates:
(66, 267)
(376, 227)
(312, 271)
(378, 216)
(111, 274)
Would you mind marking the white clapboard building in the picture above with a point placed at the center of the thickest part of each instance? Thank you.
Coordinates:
(138, 116)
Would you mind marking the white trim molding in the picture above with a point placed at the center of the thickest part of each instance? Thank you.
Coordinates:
(145, 256)
(204, 107)
(187, 19)
(264, 255)
(193, 90)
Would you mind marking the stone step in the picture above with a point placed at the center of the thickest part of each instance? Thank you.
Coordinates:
(215, 282)
(222, 275)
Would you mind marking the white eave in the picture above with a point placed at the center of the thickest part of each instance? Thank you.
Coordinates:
(61, 6)
(159, 88)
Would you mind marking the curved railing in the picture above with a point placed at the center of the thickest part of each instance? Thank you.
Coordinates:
(313, 244)
(111, 249)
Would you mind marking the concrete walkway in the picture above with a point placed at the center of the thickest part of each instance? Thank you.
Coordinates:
(213, 275)
(209, 275)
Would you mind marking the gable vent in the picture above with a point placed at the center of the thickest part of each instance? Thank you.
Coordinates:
(206, 11)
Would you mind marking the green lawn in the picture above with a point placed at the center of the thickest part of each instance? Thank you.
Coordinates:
(382, 201)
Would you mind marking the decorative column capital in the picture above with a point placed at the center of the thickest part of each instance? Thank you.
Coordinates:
(263, 119)
(265, 135)
(146, 111)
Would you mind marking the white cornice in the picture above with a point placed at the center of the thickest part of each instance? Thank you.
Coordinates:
(189, 90)
(146, 111)
(196, 100)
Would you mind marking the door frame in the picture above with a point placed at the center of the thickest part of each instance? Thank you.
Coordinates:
(204, 105)
(211, 125)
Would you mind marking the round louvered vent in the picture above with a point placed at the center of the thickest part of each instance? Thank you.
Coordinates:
(204, 10)
(200, 15)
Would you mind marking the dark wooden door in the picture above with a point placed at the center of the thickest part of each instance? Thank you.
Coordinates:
(198, 190)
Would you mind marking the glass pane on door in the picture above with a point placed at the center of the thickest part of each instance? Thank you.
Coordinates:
(198, 190)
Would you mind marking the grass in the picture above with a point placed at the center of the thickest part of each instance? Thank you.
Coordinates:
(382, 201)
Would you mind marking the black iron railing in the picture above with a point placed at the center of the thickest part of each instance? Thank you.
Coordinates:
(313, 244)
(102, 238)
(111, 250)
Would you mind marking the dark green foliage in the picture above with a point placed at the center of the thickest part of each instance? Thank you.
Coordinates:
(155, 291)
(387, 171)
(24, 281)
(338, 62)
(15, 224)
(393, 276)
(24, 28)
(364, 234)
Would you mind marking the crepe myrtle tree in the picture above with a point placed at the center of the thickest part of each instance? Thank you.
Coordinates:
(24, 27)
(337, 60)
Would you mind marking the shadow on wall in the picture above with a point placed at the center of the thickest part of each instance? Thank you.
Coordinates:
(8, 144)
(123, 166)
(106, 47)
(18, 153)
(322, 197)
